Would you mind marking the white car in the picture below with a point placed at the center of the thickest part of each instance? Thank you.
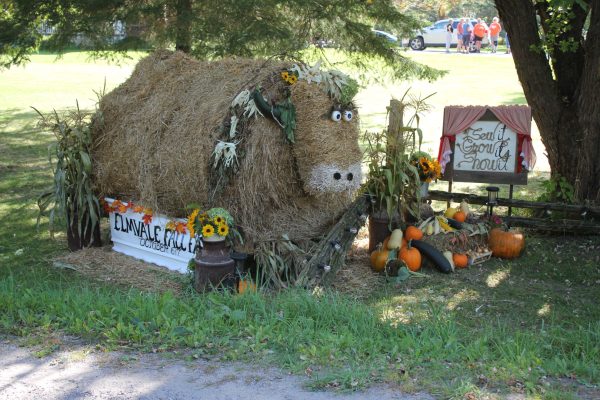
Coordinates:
(435, 35)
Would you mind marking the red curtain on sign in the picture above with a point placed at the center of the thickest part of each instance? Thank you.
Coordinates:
(517, 118)
(456, 120)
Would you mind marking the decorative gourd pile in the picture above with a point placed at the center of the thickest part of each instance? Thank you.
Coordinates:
(410, 249)
(447, 242)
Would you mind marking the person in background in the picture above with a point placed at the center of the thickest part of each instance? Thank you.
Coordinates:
(479, 31)
(467, 30)
(459, 35)
(507, 44)
(495, 30)
(449, 32)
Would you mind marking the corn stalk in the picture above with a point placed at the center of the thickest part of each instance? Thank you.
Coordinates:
(71, 201)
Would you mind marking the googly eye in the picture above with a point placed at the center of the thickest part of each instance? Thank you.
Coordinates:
(336, 116)
(348, 115)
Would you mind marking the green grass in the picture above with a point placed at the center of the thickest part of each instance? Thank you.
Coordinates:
(530, 325)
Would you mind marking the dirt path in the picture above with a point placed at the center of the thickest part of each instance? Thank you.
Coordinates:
(82, 373)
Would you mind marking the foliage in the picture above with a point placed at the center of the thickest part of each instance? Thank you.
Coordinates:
(409, 137)
(558, 32)
(432, 10)
(211, 29)
(71, 200)
(391, 179)
(557, 189)
(475, 9)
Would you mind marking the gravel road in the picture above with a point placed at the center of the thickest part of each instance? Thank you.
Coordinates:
(80, 372)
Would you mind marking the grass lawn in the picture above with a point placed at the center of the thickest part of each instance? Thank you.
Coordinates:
(529, 326)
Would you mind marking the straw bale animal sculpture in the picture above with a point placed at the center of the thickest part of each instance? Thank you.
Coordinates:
(275, 143)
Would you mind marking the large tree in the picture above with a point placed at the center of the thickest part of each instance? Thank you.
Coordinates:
(210, 28)
(556, 49)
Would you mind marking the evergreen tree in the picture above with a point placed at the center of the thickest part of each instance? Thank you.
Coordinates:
(208, 29)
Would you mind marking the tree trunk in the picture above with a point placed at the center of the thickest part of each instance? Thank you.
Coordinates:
(588, 171)
(565, 103)
(183, 28)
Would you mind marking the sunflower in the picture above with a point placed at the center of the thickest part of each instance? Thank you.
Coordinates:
(223, 230)
(218, 220)
(292, 79)
(208, 230)
(190, 228)
(191, 221)
(203, 217)
(423, 168)
(431, 167)
(438, 169)
(285, 76)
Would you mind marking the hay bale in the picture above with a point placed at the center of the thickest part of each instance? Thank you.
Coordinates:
(154, 142)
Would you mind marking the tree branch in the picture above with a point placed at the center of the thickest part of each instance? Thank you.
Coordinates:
(568, 53)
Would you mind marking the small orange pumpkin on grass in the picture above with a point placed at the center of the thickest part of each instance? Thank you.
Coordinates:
(411, 257)
(506, 244)
(379, 258)
(460, 260)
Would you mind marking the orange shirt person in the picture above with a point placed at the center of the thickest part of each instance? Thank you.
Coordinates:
(479, 31)
(495, 30)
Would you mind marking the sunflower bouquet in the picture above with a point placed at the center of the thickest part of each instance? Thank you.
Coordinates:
(214, 224)
(428, 167)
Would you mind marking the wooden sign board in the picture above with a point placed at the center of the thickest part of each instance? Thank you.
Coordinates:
(486, 152)
(151, 242)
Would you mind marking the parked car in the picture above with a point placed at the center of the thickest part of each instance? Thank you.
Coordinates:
(435, 35)
(386, 35)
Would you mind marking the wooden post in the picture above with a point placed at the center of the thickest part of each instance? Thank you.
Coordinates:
(510, 197)
(395, 132)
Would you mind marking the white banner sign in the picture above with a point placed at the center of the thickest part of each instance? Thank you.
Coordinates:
(486, 146)
(151, 242)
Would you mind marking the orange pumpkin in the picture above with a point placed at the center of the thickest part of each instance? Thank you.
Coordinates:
(460, 216)
(506, 244)
(460, 260)
(413, 233)
(246, 285)
(411, 257)
(379, 258)
(404, 243)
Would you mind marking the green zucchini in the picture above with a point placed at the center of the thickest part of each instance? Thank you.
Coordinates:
(454, 223)
(433, 255)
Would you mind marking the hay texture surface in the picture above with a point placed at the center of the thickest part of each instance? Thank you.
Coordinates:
(104, 265)
(154, 142)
